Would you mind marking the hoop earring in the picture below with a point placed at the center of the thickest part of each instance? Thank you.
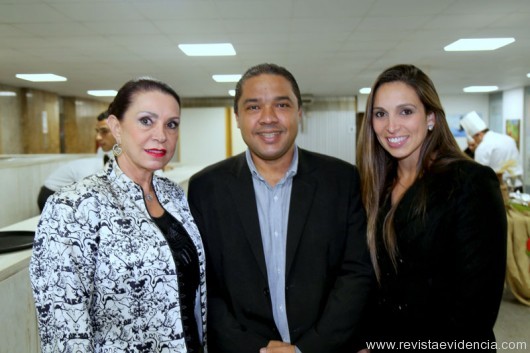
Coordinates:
(116, 149)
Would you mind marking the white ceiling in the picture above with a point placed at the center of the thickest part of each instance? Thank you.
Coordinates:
(333, 47)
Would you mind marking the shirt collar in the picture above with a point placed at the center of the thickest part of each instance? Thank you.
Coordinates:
(291, 172)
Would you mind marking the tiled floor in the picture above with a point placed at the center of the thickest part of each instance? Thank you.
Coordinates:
(513, 324)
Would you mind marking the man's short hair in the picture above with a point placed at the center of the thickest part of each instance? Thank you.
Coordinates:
(103, 116)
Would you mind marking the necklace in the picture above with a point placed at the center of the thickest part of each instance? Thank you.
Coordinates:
(149, 197)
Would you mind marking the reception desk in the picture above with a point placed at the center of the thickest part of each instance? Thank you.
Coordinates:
(18, 321)
(518, 262)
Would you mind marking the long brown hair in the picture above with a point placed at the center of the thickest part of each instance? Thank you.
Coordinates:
(378, 168)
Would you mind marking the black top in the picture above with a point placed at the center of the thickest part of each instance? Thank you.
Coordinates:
(187, 263)
(448, 283)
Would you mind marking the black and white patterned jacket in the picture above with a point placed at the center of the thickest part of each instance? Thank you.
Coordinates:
(102, 272)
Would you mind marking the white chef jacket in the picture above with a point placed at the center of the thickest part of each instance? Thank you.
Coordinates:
(495, 151)
(73, 171)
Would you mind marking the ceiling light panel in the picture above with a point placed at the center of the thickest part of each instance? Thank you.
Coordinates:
(103, 93)
(226, 78)
(217, 49)
(41, 77)
(478, 44)
(480, 89)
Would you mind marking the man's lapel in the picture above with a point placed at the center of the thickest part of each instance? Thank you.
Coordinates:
(242, 191)
(302, 197)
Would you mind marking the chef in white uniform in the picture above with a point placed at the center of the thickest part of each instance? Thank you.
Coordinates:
(495, 150)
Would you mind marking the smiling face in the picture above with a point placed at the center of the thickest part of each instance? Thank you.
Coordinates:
(268, 115)
(147, 132)
(399, 121)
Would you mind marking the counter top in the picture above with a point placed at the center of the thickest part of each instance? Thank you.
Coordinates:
(22, 160)
(13, 262)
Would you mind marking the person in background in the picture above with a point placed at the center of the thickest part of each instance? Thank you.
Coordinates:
(118, 263)
(471, 146)
(104, 138)
(436, 221)
(284, 232)
(78, 169)
(495, 150)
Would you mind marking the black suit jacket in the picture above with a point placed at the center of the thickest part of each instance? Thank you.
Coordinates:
(451, 264)
(328, 271)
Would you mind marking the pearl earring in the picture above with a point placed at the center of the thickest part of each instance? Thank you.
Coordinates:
(430, 127)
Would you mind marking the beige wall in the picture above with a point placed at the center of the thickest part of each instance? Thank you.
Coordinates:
(79, 124)
(40, 122)
(33, 121)
(10, 120)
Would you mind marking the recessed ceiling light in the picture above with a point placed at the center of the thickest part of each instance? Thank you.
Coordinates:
(218, 49)
(473, 89)
(41, 77)
(232, 92)
(473, 44)
(226, 78)
(365, 90)
(528, 75)
(103, 92)
(8, 94)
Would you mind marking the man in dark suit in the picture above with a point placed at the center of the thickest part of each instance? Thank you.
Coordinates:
(284, 232)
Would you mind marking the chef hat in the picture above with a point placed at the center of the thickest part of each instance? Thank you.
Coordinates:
(472, 123)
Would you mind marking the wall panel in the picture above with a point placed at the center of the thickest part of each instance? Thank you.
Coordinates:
(40, 121)
(202, 135)
(10, 120)
(238, 144)
(80, 116)
(328, 127)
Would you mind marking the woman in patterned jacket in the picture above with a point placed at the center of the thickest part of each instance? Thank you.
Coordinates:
(118, 264)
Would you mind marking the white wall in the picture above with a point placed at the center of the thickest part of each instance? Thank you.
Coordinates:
(513, 109)
(238, 145)
(328, 127)
(464, 103)
(202, 136)
(513, 104)
(525, 147)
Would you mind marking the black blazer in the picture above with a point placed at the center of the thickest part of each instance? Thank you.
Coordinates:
(328, 271)
(451, 264)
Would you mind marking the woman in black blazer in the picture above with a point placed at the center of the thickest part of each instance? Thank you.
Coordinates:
(436, 223)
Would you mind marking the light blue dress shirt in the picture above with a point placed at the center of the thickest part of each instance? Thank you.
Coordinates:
(273, 211)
